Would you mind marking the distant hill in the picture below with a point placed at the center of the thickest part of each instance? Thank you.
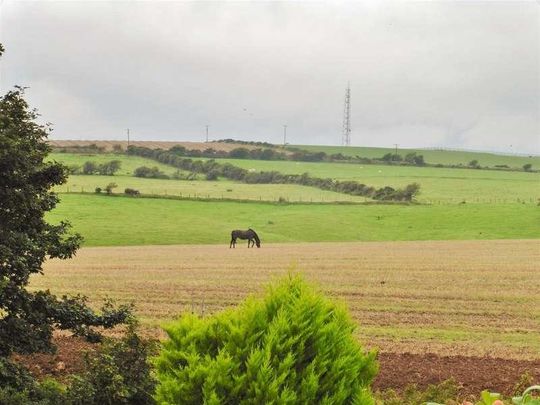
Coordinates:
(432, 156)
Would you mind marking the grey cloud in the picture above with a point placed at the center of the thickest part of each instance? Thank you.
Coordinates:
(462, 74)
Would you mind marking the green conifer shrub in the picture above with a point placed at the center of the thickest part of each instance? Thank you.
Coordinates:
(292, 347)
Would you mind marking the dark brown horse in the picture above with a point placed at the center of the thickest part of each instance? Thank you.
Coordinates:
(250, 235)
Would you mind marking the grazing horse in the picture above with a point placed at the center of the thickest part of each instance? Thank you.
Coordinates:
(250, 235)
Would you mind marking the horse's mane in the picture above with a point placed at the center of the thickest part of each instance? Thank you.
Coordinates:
(255, 235)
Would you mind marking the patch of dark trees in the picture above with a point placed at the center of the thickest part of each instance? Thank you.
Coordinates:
(90, 148)
(154, 173)
(213, 169)
(253, 143)
(91, 168)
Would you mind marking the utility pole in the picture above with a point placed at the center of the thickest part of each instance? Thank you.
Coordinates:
(207, 133)
(347, 117)
(396, 145)
(284, 135)
(127, 130)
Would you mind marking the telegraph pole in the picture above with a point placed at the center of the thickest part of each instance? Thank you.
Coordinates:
(347, 117)
(127, 130)
(284, 135)
(207, 133)
(396, 145)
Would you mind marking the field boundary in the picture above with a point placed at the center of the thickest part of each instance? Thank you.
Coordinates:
(247, 201)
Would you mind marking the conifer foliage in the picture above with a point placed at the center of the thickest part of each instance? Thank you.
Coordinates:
(292, 347)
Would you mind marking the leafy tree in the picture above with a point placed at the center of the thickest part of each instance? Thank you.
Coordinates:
(410, 191)
(293, 347)
(178, 150)
(212, 175)
(109, 187)
(474, 163)
(527, 167)
(109, 168)
(415, 159)
(89, 168)
(392, 157)
(239, 153)
(27, 318)
(150, 173)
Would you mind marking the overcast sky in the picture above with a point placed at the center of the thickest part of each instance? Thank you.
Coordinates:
(438, 74)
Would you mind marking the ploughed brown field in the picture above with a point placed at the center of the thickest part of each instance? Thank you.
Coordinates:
(423, 304)
(108, 145)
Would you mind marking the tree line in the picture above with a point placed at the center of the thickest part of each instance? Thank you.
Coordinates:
(267, 151)
(213, 169)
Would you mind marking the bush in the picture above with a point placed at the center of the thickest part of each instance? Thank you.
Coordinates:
(415, 159)
(132, 192)
(294, 346)
(149, 173)
(392, 157)
(527, 167)
(74, 169)
(18, 387)
(412, 395)
(109, 168)
(98, 190)
(105, 169)
(109, 187)
(212, 176)
(239, 153)
(119, 374)
(89, 168)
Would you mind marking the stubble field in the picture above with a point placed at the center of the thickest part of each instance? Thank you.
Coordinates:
(473, 298)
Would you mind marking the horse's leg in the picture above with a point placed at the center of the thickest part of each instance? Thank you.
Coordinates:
(249, 241)
(233, 243)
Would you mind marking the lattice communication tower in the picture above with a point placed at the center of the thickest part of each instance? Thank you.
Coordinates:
(347, 118)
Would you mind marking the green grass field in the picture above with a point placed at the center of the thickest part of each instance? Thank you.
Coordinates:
(431, 156)
(116, 221)
(437, 184)
(207, 189)
(199, 188)
(129, 163)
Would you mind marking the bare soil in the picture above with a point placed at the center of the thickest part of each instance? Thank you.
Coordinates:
(68, 359)
(397, 370)
(472, 374)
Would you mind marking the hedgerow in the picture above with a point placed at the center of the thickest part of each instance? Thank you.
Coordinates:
(235, 173)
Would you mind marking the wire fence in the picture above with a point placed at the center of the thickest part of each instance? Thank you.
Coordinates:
(284, 198)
